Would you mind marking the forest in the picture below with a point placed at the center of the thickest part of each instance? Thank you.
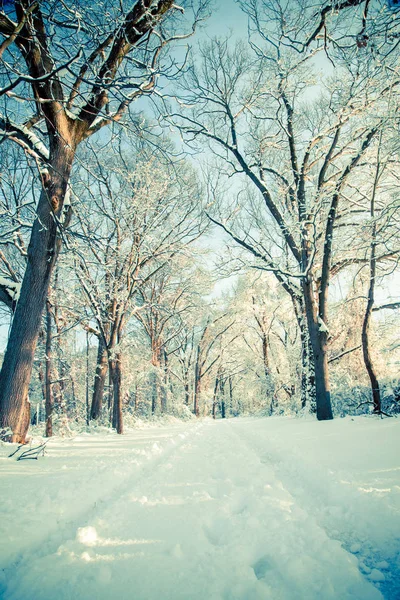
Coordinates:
(195, 220)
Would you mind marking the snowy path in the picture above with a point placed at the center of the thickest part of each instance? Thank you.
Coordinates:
(211, 511)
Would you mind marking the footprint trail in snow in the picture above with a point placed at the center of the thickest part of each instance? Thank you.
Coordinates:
(214, 518)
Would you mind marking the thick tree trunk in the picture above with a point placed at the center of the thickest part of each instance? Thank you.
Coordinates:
(307, 382)
(307, 385)
(116, 375)
(305, 364)
(318, 339)
(310, 377)
(42, 254)
(99, 381)
(49, 399)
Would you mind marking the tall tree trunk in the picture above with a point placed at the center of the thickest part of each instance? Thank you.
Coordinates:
(42, 254)
(99, 380)
(306, 361)
(116, 375)
(49, 403)
(307, 385)
(310, 376)
(318, 339)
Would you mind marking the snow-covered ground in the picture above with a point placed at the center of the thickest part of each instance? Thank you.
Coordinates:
(249, 509)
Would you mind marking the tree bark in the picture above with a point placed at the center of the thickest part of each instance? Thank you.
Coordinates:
(116, 375)
(307, 385)
(187, 393)
(318, 339)
(42, 253)
(99, 381)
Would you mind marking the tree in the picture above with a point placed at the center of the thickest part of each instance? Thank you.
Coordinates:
(134, 216)
(208, 352)
(76, 84)
(167, 299)
(296, 159)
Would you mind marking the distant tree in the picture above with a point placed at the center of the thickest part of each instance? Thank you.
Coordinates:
(134, 216)
(166, 301)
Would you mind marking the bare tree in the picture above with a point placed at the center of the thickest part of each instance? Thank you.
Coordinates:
(81, 70)
(296, 159)
(167, 299)
(137, 215)
(208, 352)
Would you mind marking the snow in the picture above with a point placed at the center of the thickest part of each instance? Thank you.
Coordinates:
(249, 509)
(12, 287)
(322, 325)
(37, 144)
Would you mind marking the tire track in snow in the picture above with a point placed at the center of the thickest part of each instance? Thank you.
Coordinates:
(293, 556)
(314, 490)
(157, 455)
(212, 523)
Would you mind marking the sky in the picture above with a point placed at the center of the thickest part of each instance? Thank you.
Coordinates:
(226, 19)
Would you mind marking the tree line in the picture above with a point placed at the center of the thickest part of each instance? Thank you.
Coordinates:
(104, 209)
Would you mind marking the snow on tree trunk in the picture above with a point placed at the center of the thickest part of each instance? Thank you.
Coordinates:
(318, 339)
